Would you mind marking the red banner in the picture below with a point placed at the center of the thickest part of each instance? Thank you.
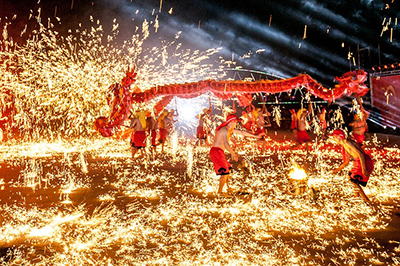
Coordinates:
(386, 97)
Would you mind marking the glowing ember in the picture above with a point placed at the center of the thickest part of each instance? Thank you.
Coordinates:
(297, 173)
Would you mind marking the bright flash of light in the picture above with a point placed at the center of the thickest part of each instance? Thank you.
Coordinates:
(297, 173)
(188, 112)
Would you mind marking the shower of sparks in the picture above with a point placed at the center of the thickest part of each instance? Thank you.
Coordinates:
(189, 158)
(305, 32)
(122, 212)
(175, 143)
(86, 202)
(276, 112)
(59, 84)
(337, 119)
(391, 35)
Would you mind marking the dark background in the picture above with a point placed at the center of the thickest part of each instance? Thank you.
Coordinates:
(334, 29)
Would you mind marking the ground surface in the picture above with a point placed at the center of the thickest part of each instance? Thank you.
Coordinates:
(88, 203)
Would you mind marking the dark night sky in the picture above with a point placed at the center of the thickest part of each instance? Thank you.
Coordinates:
(334, 28)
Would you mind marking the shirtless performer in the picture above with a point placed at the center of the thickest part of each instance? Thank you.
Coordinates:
(162, 127)
(322, 121)
(362, 166)
(152, 127)
(202, 131)
(260, 114)
(221, 143)
(359, 124)
(302, 124)
(138, 137)
(293, 125)
(248, 121)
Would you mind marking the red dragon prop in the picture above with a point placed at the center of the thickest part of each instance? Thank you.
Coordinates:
(120, 100)
(349, 83)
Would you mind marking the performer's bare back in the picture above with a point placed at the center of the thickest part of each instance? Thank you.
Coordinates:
(302, 123)
(136, 125)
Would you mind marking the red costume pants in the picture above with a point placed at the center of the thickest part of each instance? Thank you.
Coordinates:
(138, 139)
(221, 165)
(356, 175)
(302, 136)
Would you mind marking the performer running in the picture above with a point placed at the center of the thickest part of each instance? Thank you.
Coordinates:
(322, 121)
(152, 126)
(247, 118)
(359, 124)
(293, 126)
(259, 117)
(138, 137)
(162, 128)
(166, 124)
(302, 125)
(203, 128)
(362, 166)
(221, 143)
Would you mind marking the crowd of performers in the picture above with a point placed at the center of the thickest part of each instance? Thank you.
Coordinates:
(254, 122)
(145, 124)
(352, 146)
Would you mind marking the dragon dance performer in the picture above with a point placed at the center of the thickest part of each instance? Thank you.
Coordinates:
(302, 125)
(162, 127)
(217, 151)
(138, 137)
(293, 125)
(322, 121)
(203, 129)
(359, 124)
(166, 124)
(119, 100)
(260, 115)
(152, 127)
(362, 166)
(248, 119)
